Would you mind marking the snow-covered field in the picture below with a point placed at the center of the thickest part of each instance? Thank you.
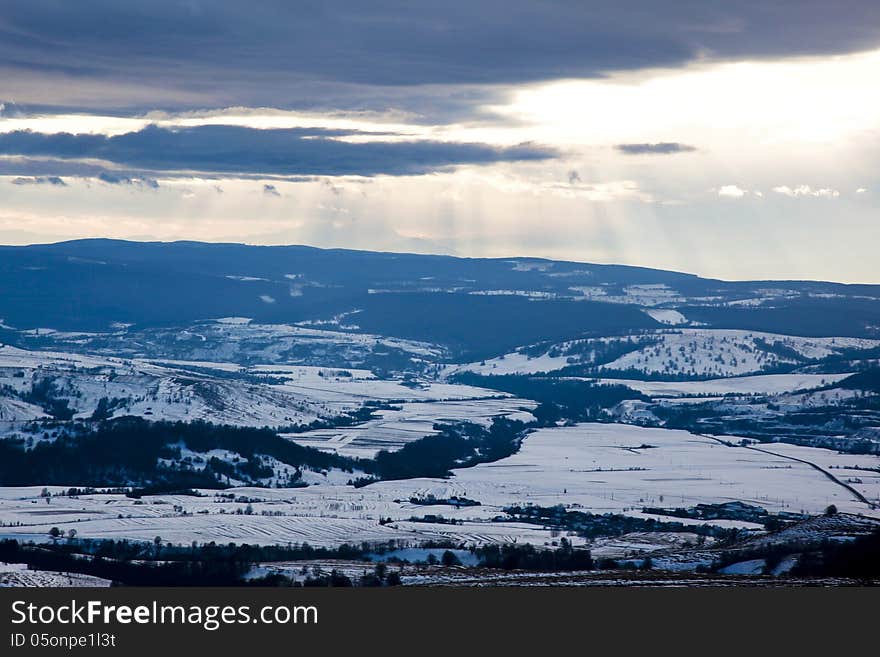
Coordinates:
(18, 575)
(861, 471)
(604, 468)
(590, 467)
(392, 429)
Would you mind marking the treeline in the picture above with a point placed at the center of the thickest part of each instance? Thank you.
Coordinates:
(867, 380)
(133, 452)
(227, 572)
(130, 563)
(126, 452)
(591, 525)
(351, 418)
(458, 445)
(830, 426)
(559, 399)
(528, 557)
(857, 559)
(126, 550)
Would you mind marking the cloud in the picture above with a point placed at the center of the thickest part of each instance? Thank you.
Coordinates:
(112, 178)
(731, 191)
(661, 148)
(9, 109)
(267, 51)
(270, 190)
(239, 150)
(40, 180)
(806, 190)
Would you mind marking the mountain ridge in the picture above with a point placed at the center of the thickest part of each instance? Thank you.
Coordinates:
(476, 307)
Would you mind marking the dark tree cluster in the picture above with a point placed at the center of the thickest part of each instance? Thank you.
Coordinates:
(528, 557)
(559, 399)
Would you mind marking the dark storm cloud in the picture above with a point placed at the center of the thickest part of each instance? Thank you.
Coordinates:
(661, 148)
(266, 52)
(237, 150)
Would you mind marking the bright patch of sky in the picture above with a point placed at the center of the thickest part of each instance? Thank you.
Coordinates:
(735, 169)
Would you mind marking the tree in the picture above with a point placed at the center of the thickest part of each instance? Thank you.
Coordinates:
(831, 510)
(448, 558)
(55, 533)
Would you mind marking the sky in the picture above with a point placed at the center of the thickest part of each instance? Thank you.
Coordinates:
(731, 140)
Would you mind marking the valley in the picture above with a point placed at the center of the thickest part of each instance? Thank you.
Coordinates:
(432, 401)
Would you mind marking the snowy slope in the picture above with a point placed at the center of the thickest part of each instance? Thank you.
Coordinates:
(218, 392)
(673, 352)
(240, 340)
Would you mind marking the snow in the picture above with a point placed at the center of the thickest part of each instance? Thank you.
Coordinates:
(240, 340)
(531, 265)
(726, 352)
(234, 321)
(654, 294)
(750, 567)
(674, 352)
(861, 471)
(762, 384)
(614, 547)
(531, 294)
(666, 316)
(188, 390)
(811, 399)
(513, 363)
(392, 429)
(594, 468)
(594, 465)
(839, 527)
(18, 575)
(16, 411)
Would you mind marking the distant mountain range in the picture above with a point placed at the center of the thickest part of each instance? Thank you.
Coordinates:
(474, 307)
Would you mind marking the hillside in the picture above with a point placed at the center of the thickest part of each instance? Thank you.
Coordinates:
(487, 306)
